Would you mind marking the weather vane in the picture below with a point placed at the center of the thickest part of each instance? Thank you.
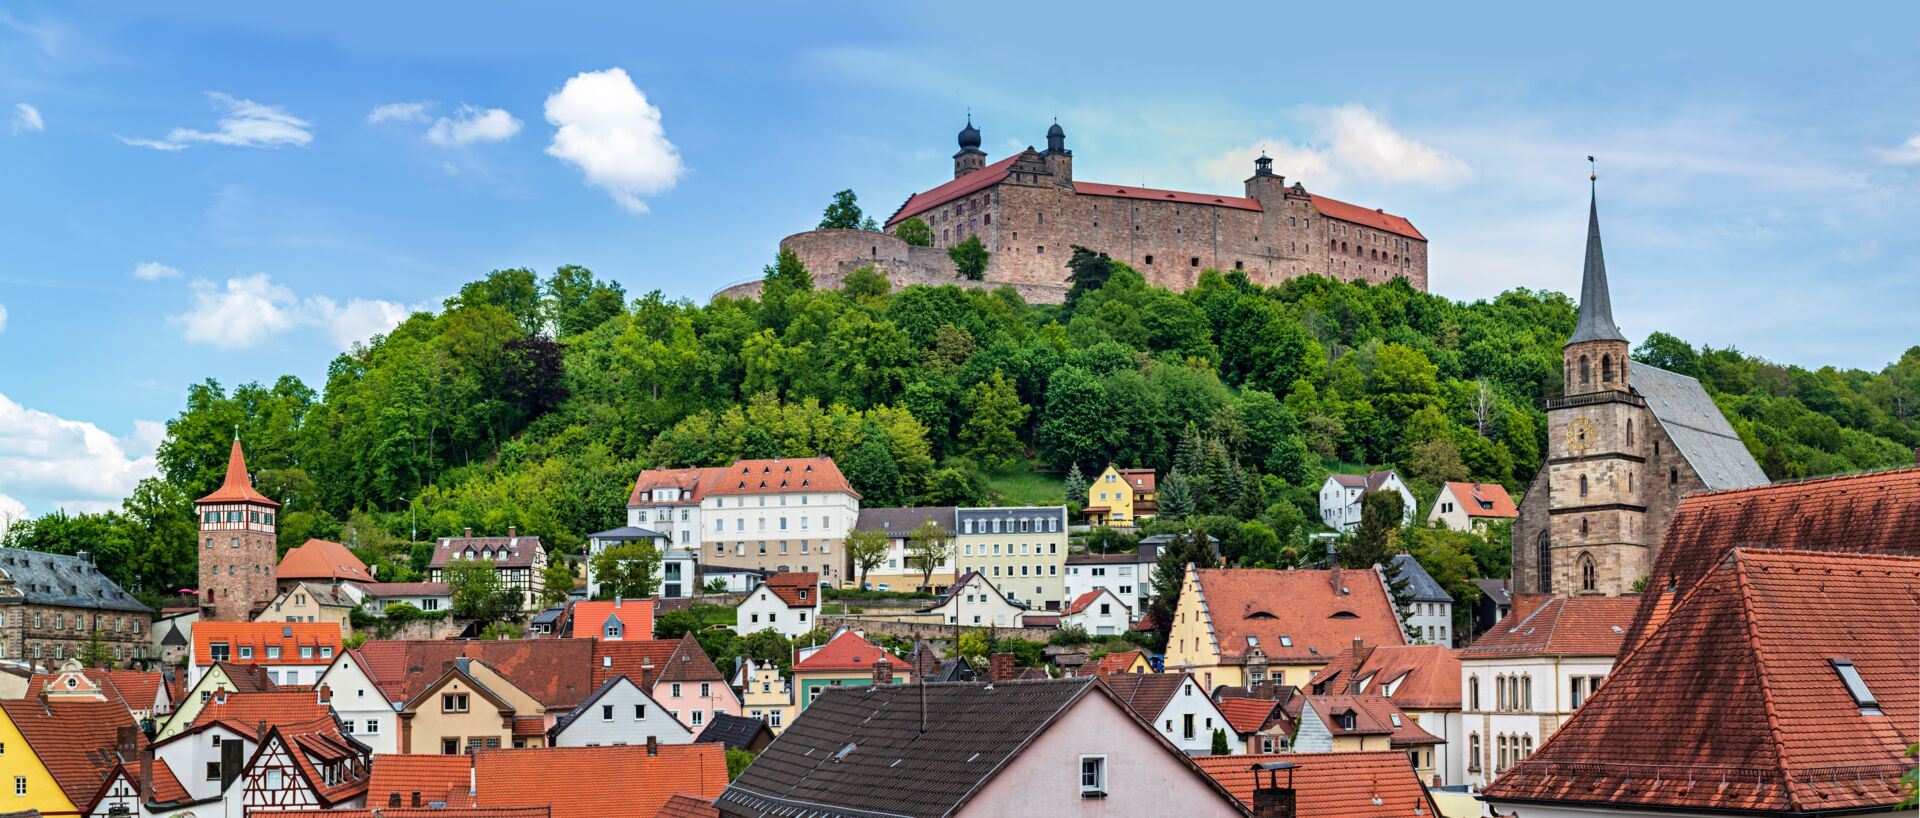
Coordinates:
(1593, 170)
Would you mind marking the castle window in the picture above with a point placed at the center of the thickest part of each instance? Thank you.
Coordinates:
(1606, 368)
(1673, 476)
(1149, 260)
(1040, 249)
(1629, 431)
(1193, 262)
(1585, 376)
(1589, 575)
(1583, 528)
(987, 219)
(1583, 485)
(1039, 218)
(1239, 265)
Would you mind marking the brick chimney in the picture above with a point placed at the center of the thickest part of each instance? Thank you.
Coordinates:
(469, 532)
(513, 531)
(326, 694)
(883, 672)
(1000, 667)
(1270, 799)
(653, 746)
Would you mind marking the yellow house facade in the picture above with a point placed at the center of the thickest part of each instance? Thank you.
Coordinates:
(1246, 626)
(188, 708)
(1118, 497)
(471, 707)
(766, 695)
(31, 785)
(310, 602)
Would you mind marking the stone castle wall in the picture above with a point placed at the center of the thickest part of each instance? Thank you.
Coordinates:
(832, 254)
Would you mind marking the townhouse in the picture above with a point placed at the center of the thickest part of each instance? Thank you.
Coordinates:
(787, 603)
(780, 515)
(292, 653)
(1471, 506)
(847, 660)
(899, 571)
(674, 672)
(618, 712)
(1173, 704)
(1247, 626)
(521, 561)
(1121, 498)
(1099, 612)
(1422, 680)
(1341, 494)
(1022, 550)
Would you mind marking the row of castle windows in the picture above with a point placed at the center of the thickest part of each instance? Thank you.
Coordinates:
(1606, 370)
(258, 517)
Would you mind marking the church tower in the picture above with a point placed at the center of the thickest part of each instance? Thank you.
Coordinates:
(238, 546)
(1595, 540)
(970, 158)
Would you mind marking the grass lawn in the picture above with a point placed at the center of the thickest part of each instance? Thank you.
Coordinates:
(1023, 484)
(716, 614)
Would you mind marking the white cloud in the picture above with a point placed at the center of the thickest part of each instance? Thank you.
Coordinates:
(1348, 142)
(26, 118)
(473, 125)
(400, 112)
(247, 124)
(12, 511)
(154, 271)
(1906, 153)
(608, 129)
(54, 462)
(250, 310)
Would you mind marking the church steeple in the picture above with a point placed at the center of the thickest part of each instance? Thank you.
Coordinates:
(1596, 308)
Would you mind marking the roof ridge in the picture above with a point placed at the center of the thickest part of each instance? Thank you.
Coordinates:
(1805, 481)
(1735, 564)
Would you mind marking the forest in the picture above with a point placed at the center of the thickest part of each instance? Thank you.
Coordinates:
(533, 402)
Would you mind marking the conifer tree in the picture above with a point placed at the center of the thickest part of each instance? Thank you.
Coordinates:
(1176, 498)
(1076, 485)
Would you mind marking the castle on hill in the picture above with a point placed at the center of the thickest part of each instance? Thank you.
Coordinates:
(1029, 212)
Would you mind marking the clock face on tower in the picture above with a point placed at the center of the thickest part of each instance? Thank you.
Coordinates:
(1580, 435)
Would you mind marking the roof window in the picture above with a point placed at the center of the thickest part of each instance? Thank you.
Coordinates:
(1856, 687)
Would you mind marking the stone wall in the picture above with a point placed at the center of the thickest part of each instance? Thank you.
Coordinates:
(831, 254)
(62, 632)
(929, 627)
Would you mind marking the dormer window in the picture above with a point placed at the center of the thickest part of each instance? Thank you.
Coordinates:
(1856, 687)
(1345, 720)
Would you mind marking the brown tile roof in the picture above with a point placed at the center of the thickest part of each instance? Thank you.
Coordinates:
(1423, 677)
(589, 619)
(392, 589)
(642, 660)
(850, 652)
(1296, 616)
(244, 712)
(247, 678)
(578, 782)
(799, 474)
(322, 738)
(237, 487)
(556, 672)
(1878, 512)
(1371, 481)
(1373, 715)
(1116, 662)
(693, 484)
(289, 637)
(505, 552)
(1247, 715)
(320, 559)
(77, 741)
(1147, 694)
(1542, 625)
(1332, 785)
(1484, 500)
(683, 805)
(790, 585)
(1141, 481)
(1735, 703)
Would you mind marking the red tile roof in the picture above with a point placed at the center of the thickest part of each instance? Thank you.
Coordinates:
(320, 559)
(238, 485)
(1423, 677)
(590, 618)
(133, 689)
(77, 741)
(1140, 480)
(850, 652)
(1735, 704)
(1116, 662)
(946, 192)
(1081, 602)
(782, 475)
(244, 712)
(788, 586)
(1332, 785)
(1156, 194)
(1484, 500)
(692, 483)
(1878, 512)
(1542, 625)
(578, 782)
(641, 660)
(393, 589)
(423, 812)
(289, 637)
(1373, 715)
(1147, 694)
(1296, 616)
(556, 672)
(1376, 219)
(687, 806)
(1247, 715)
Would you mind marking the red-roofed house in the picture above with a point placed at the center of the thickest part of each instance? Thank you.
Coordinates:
(1781, 683)
(521, 561)
(1527, 675)
(1422, 680)
(1126, 661)
(1173, 704)
(1261, 725)
(785, 602)
(1328, 785)
(674, 672)
(322, 562)
(1355, 722)
(846, 660)
(611, 620)
(212, 751)
(1245, 626)
(293, 653)
(783, 514)
(575, 782)
(59, 754)
(1100, 612)
(144, 694)
(1120, 498)
(1461, 506)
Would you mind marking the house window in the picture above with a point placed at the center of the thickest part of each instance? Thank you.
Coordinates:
(246, 652)
(1473, 752)
(1576, 688)
(639, 712)
(1473, 692)
(1186, 726)
(373, 727)
(1093, 777)
(606, 712)
(453, 703)
(706, 690)
(676, 690)
(213, 771)
(218, 650)
(697, 717)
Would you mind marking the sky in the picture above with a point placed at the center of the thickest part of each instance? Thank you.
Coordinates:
(237, 191)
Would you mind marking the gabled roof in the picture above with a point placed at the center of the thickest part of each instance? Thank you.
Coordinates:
(237, 487)
(320, 559)
(692, 483)
(1371, 481)
(1736, 702)
(1372, 716)
(77, 741)
(734, 732)
(289, 637)
(133, 689)
(590, 618)
(323, 739)
(798, 589)
(965, 583)
(1117, 662)
(782, 476)
(1296, 615)
(898, 522)
(247, 678)
(1144, 481)
(849, 651)
(383, 590)
(946, 192)
(1380, 784)
(683, 805)
(586, 706)
(505, 552)
(1421, 586)
(860, 751)
(1496, 590)
(556, 672)
(1488, 500)
(243, 713)
(1146, 694)
(1876, 512)
(578, 782)
(1086, 600)
(1423, 677)
(326, 596)
(1698, 429)
(1543, 625)
(40, 578)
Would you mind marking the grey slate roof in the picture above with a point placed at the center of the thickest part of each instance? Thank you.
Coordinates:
(734, 732)
(1596, 306)
(901, 521)
(1150, 546)
(40, 578)
(1697, 427)
(1496, 590)
(627, 532)
(586, 705)
(506, 552)
(1421, 586)
(894, 769)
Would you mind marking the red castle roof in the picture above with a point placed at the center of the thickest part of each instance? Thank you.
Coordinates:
(238, 487)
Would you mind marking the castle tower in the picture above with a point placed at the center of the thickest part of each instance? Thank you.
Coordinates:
(1059, 159)
(970, 158)
(1597, 529)
(1264, 186)
(238, 547)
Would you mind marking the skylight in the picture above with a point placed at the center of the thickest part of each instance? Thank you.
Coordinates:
(1286, 641)
(1856, 686)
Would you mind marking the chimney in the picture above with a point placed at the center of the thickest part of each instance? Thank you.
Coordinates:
(1273, 800)
(219, 695)
(653, 746)
(513, 531)
(146, 774)
(230, 762)
(1000, 667)
(616, 601)
(326, 694)
(469, 532)
(126, 742)
(883, 672)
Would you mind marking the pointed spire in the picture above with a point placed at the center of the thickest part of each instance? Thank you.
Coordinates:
(237, 486)
(1596, 307)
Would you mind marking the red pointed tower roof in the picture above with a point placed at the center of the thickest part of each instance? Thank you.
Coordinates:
(237, 488)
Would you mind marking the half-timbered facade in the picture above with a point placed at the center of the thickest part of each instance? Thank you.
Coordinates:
(306, 766)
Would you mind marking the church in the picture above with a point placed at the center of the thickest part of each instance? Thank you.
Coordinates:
(1625, 441)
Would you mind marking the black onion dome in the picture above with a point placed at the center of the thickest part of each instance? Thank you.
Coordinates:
(969, 136)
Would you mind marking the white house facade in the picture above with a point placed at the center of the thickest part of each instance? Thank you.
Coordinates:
(1099, 612)
(786, 603)
(618, 713)
(973, 601)
(1127, 576)
(1340, 497)
(362, 709)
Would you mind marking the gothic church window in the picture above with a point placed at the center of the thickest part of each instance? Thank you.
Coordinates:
(1606, 368)
(1585, 376)
(1589, 574)
(1629, 431)
(1544, 563)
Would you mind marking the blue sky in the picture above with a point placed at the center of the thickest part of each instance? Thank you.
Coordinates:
(218, 191)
